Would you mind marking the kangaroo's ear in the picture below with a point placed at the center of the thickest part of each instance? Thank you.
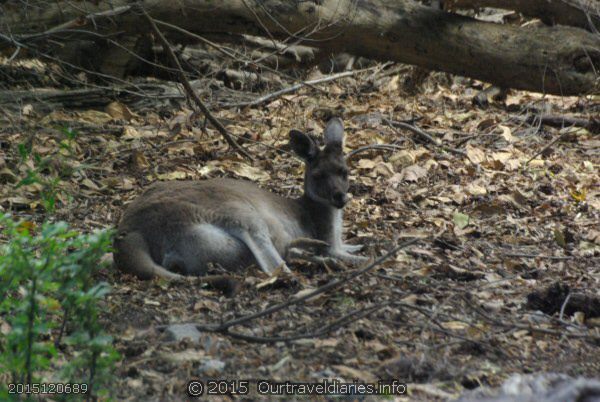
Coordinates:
(334, 133)
(303, 145)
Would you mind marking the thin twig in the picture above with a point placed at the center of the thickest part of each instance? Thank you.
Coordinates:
(338, 323)
(190, 91)
(546, 257)
(424, 135)
(564, 305)
(592, 124)
(387, 147)
(294, 88)
(541, 151)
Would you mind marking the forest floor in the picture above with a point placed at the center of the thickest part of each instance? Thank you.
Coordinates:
(505, 206)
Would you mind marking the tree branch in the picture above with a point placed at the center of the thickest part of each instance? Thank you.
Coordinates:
(190, 91)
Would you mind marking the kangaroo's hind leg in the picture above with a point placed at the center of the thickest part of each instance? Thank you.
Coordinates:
(197, 246)
(263, 249)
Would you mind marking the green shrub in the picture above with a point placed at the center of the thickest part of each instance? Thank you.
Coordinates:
(49, 327)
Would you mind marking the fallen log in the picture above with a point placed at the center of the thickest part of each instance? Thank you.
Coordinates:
(558, 60)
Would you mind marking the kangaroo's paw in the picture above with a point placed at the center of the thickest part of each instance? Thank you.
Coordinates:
(349, 258)
(312, 245)
(283, 268)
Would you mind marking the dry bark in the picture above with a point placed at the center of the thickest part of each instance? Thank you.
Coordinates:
(558, 60)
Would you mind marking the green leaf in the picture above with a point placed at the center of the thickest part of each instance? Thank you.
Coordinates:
(23, 151)
(559, 237)
(29, 179)
(461, 220)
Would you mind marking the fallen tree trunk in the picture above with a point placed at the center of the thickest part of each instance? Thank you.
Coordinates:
(558, 60)
(564, 12)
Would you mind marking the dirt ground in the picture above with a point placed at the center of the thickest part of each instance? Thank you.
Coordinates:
(503, 204)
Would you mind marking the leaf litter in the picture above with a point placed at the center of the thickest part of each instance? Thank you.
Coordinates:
(466, 309)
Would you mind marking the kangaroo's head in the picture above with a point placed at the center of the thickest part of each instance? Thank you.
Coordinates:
(326, 175)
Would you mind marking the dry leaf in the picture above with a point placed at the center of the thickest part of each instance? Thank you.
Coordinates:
(188, 355)
(119, 111)
(475, 155)
(501, 157)
(90, 184)
(269, 281)
(27, 109)
(366, 164)
(94, 116)
(327, 342)
(455, 325)
(413, 173)
(210, 167)
(476, 189)
(384, 169)
(250, 172)
(506, 133)
(350, 374)
(175, 175)
(402, 159)
(130, 133)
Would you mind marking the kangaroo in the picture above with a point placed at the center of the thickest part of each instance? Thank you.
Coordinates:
(177, 228)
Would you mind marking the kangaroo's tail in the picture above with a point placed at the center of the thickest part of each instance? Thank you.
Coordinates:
(132, 256)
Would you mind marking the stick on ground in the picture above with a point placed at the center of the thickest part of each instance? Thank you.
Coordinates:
(224, 327)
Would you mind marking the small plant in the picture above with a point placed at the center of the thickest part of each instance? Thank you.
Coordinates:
(49, 328)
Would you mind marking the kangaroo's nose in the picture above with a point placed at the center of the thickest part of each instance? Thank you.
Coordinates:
(339, 199)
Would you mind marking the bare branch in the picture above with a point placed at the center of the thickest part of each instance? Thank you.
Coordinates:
(190, 91)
